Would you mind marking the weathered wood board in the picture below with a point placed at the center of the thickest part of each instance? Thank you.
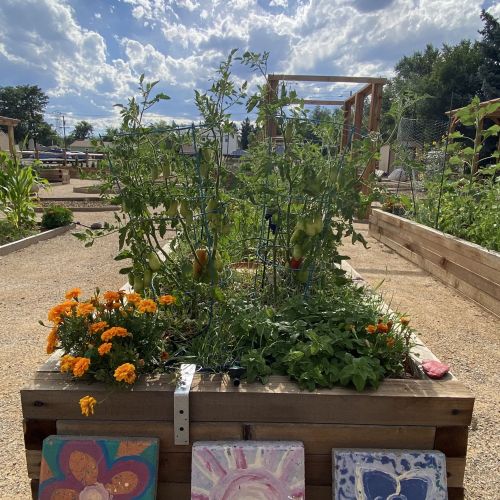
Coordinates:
(470, 269)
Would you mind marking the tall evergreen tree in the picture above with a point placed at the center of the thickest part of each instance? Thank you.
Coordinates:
(489, 71)
(246, 130)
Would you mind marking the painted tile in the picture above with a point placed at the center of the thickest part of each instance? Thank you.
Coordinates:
(247, 470)
(389, 475)
(98, 468)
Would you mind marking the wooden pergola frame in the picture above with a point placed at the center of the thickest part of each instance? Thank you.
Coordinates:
(373, 87)
(494, 117)
(10, 123)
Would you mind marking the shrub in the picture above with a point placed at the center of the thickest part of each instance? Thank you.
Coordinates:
(56, 216)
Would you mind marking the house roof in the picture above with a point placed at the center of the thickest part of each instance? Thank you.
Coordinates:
(85, 143)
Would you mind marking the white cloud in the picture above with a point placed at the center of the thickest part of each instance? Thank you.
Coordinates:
(97, 15)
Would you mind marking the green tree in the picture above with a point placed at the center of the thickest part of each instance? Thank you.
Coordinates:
(26, 103)
(83, 130)
(489, 70)
(246, 130)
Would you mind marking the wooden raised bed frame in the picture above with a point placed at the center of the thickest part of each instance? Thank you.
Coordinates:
(413, 413)
(469, 268)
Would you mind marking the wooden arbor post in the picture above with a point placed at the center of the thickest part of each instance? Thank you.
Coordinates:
(10, 123)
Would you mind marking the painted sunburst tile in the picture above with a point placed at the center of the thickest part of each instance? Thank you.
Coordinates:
(247, 470)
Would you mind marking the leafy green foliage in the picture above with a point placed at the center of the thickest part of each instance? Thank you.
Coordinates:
(16, 186)
(56, 216)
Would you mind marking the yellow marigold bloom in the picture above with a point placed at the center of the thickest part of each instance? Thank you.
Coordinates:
(67, 363)
(87, 404)
(84, 309)
(81, 366)
(371, 329)
(73, 293)
(147, 306)
(52, 340)
(126, 373)
(166, 300)
(105, 348)
(390, 342)
(112, 296)
(133, 298)
(115, 331)
(100, 325)
(404, 320)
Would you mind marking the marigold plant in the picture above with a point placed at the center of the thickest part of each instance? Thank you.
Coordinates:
(113, 337)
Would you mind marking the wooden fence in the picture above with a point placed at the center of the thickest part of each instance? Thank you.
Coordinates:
(467, 267)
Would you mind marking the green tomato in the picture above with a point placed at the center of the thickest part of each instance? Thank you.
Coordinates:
(148, 278)
(154, 262)
(166, 170)
(172, 209)
(297, 252)
(138, 284)
(310, 227)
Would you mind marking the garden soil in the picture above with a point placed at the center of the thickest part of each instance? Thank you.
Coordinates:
(35, 278)
(460, 333)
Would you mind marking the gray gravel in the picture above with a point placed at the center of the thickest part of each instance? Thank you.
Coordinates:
(32, 281)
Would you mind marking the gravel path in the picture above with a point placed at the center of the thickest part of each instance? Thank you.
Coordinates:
(36, 278)
(459, 333)
(33, 280)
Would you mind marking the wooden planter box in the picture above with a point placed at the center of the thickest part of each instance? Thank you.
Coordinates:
(467, 267)
(415, 414)
(55, 174)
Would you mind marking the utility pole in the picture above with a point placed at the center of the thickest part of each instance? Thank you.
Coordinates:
(64, 139)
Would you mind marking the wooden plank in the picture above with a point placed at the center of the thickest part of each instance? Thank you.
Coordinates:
(322, 102)
(469, 291)
(452, 441)
(419, 246)
(440, 246)
(35, 431)
(395, 402)
(199, 431)
(323, 78)
(435, 243)
(174, 491)
(321, 438)
(467, 249)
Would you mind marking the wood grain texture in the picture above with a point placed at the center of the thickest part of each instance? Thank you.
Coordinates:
(470, 269)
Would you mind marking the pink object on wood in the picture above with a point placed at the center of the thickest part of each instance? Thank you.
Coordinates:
(435, 369)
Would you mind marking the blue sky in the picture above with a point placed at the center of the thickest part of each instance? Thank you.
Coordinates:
(88, 54)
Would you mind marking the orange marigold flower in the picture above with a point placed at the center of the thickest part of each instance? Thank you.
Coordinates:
(371, 329)
(105, 348)
(87, 404)
(133, 298)
(164, 356)
(52, 340)
(166, 300)
(100, 325)
(404, 320)
(390, 342)
(112, 296)
(147, 306)
(84, 309)
(81, 366)
(115, 331)
(57, 312)
(389, 324)
(126, 373)
(67, 363)
(73, 293)
(382, 328)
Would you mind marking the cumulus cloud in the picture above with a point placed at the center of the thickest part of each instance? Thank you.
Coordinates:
(182, 41)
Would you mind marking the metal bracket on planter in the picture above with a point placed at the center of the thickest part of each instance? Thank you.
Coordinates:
(181, 404)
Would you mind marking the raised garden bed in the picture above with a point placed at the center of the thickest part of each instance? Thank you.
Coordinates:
(467, 267)
(401, 413)
(31, 240)
(54, 174)
(78, 204)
